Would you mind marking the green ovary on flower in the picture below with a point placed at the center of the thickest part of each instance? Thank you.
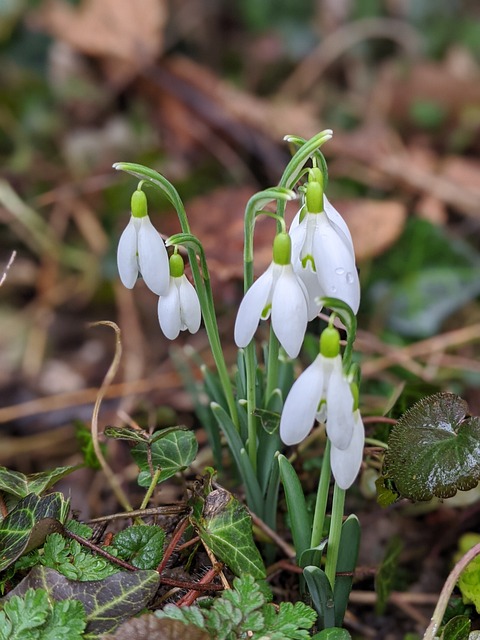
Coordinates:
(314, 191)
(330, 342)
(176, 265)
(139, 204)
(282, 249)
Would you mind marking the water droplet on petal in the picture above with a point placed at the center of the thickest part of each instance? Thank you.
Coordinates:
(339, 271)
(350, 278)
(333, 289)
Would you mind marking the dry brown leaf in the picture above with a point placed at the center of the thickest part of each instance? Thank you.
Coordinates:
(149, 627)
(374, 225)
(464, 171)
(128, 35)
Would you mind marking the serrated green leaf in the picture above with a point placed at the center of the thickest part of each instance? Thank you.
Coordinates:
(20, 485)
(434, 450)
(386, 573)
(107, 602)
(141, 545)
(83, 434)
(226, 527)
(33, 617)
(172, 453)
(74, 561)
(457, 628)
(28, 524)
(291, 621)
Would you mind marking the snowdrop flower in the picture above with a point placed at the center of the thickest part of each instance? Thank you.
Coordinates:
(322, 392)
(278, 292)
(179, 309)
(141, 249)
(322, 249)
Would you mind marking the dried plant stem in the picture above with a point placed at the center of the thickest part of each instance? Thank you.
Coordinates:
(448, 587)
(112, 370)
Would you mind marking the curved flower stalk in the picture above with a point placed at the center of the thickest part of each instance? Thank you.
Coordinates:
(322, 250)
(141, 249)
(279, 293)
(322, 392)
(179, 309)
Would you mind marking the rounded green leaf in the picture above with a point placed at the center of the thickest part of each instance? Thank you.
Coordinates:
(434, 449)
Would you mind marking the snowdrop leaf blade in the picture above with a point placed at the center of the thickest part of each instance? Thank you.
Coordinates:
(289, 311)
(127, 261)
(346, 463)
(300, 520)
(298, 415)
(251, 307)
(153, 258)
(169, 312)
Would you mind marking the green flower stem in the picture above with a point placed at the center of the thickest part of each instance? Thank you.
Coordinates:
(151, 489)
(272, 365)
(294, 168)
(322, 498)
(254, 207)
(205, 295)
(335, 533)
(202, 285)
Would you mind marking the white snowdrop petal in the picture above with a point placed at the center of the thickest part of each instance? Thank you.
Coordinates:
(339, 410)
(346, 463)
(337, 220)
(190, 312)
(127, 261)
(289, 311)
(153, 258)
(335, 264)
(297, 233)
(298, 415)
(169, 311)
(312, 286)
(251, 307)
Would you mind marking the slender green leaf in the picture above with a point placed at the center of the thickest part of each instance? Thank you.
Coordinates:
(386, 573)
(236, 446)
(346, 563)
(300, 520)
(322, 596)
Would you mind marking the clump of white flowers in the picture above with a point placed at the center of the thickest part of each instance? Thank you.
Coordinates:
(323, 392)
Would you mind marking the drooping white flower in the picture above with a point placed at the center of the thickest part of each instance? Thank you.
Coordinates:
(322, 392)
(280, 293)
(346, 463)
(179, 309)
(322, 250)
(142, 250)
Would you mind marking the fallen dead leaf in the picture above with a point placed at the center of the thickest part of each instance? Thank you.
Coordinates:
(127, 35)
(374, 225)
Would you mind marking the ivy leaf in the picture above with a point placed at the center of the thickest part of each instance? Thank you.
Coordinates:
(226, 527)
(172, 453)
(33, 616)
(107, 602)
(142, 545)
(434, 449)
(28, 524)
(20, 485)
(149, 627)
(457, 628)
(333, 633)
